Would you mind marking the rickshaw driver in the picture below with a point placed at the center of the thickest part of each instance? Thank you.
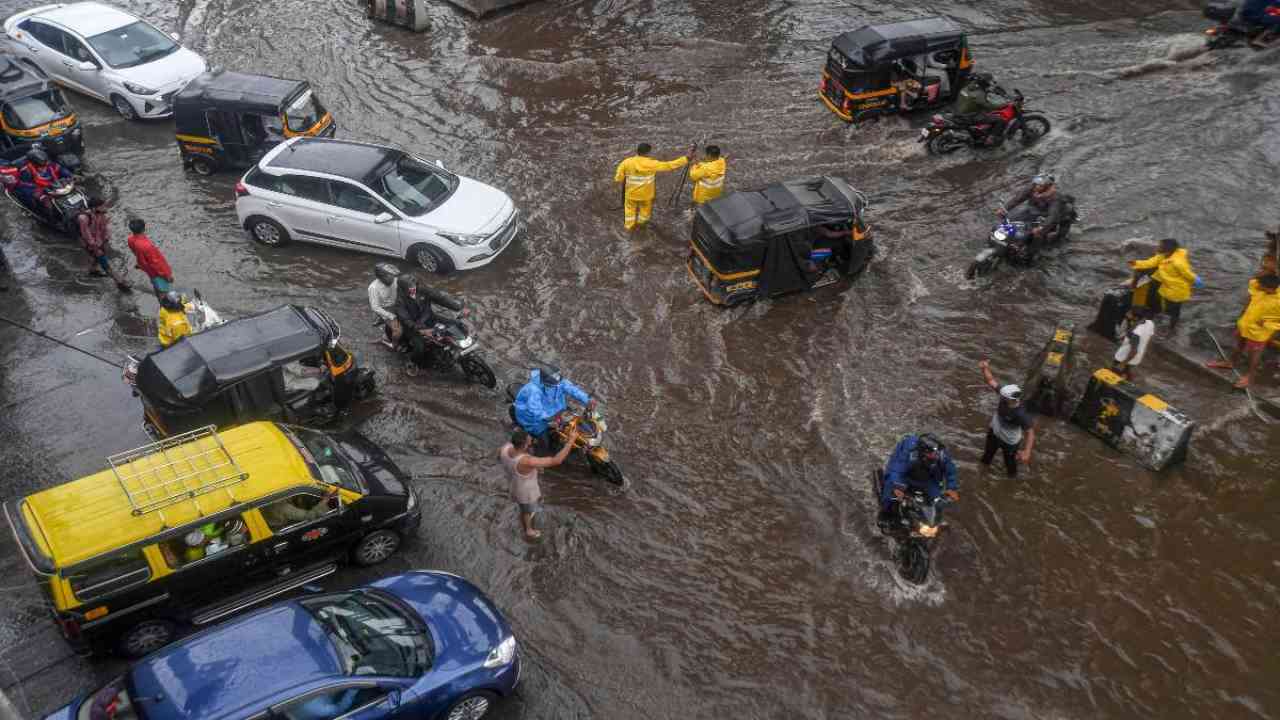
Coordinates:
(541, 401)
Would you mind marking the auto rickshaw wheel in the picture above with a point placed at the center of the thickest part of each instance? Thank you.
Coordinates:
(202, 166)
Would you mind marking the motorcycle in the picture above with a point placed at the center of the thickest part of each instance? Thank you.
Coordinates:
(590, 443)
(450, 344)
(948, 132)
(1011, 241)
(915, 525)
(66, 201)
(1228, 32)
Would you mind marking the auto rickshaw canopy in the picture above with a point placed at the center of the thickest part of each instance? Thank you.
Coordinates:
(226, 91)
(187, 375)
(874, 45)
(18, 81)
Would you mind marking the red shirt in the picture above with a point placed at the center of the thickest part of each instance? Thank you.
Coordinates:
(150, 260)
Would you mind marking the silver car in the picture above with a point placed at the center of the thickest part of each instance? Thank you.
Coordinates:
(105, 53)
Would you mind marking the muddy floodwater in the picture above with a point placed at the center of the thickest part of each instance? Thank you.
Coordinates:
(740, 573)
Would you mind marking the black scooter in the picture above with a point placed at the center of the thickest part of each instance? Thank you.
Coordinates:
(66, 199)
(1229, 32)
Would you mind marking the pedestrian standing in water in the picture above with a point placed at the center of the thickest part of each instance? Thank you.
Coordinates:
(522, 472)
(1011, 431)
(150, 260)
(95, 236)
(1255, 328)
(1173, 279)
(1133, 347)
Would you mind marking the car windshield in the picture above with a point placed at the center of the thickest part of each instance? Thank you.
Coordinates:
(32, 112)
(304, 112)
(415, 189)
(372, 635)
(132, 45)
(327, 464)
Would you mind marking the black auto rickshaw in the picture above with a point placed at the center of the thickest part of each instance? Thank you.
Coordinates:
(230, 120)
(34, 110)
(263, 367)
(899, 67)
(791, 236)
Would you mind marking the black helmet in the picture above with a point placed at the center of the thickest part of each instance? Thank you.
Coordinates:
(983, 79)
(408, 282)
(37, 155)
(929, 448)
(550, 375)
(171, 300)
(386, 273)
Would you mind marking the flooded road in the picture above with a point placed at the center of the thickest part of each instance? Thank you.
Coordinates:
(740, 574)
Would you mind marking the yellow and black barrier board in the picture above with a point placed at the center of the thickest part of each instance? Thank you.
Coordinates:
(1134, 421)
(408, 14)
(1047, 383)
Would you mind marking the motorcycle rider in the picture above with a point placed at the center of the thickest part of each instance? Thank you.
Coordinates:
(172, 324)
(540, 402)
(413, 309)
(383, 292)
(1263, 14)
(974, 105)
(1042, 202)
(39, 174)
(919, 462)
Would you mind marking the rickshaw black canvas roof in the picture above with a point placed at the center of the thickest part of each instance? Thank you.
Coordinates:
(241, 92)
(203, 364)
(750, 217)
(22, 85)
(876, 44)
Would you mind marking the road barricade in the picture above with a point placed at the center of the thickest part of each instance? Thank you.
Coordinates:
(408, 14)
(1134, 421)
(1047, 384)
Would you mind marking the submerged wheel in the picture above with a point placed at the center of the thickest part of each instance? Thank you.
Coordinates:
(470, 707)
(123, 107)
(202, 166)
(914, 562)
(979, 268)
(945, 144)
(478, 371)
(145, 637)
(608, 470)
(268, 231)
(430, 259)
(1033, 128)
(376, 547)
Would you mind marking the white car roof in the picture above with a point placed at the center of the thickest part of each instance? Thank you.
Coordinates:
(88, 18)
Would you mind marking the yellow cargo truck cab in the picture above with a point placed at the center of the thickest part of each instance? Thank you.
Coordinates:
(200, 525)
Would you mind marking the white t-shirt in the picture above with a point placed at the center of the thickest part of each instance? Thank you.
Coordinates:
(1144, 330)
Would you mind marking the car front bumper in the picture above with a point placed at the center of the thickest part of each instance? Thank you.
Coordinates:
(481, 255)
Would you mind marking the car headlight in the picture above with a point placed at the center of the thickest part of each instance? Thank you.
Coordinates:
(503, 654)
(137, 89)
(464, 239)
(413, 500)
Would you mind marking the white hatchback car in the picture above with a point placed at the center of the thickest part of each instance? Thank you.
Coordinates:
(374, 199)
(105, 53)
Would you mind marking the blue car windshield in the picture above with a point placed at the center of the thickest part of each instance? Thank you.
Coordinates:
(372, 635)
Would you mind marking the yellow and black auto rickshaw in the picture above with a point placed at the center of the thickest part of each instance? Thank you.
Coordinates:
(895, 68)
(34, 110)
(791, 236)
(230, 120)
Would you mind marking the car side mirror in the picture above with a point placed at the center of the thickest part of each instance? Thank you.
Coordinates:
(383, 217)
(175, 36)
(87, 66)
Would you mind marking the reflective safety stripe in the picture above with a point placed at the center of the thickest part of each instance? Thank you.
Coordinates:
(711, 183)
(635, 181)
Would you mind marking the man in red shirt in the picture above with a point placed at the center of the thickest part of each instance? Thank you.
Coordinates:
(95, 234)
(150, 260)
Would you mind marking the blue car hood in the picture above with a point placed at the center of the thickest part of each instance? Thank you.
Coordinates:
(235, 665)
(464, 624)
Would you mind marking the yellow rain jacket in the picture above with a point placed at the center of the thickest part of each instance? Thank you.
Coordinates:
(173, 326)
(638, 172)
(708, 180)
(1261, 319)
(1173, 272)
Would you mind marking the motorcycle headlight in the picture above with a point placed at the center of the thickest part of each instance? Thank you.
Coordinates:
(928, 530)
(137, 89)
(1000, 235)
(464, 240)
(503, 654)
(466, 342)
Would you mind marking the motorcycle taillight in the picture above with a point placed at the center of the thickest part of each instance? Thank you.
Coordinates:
(241, 190)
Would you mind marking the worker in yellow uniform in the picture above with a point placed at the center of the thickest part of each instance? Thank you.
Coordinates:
(342, 373)
(638, 172)
(1173, 276)
(708, 176)
(173, 324)
(1255, 327)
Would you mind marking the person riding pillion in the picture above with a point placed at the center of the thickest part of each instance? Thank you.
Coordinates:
(919, 462)
(638, 172)
(543, 398)
(383, 292)
(708, 176)
(1173, 277)
(1041, 200)
(172, 322)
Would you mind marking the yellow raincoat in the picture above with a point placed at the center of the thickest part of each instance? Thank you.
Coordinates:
(1261, 319)
(173, 326)
(1173, 272)
(708, 180)
(638, 172)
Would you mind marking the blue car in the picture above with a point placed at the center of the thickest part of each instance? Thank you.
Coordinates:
(420, 645)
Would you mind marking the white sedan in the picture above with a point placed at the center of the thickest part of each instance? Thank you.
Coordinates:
(105, 53)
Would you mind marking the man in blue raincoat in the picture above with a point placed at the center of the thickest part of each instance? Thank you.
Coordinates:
(543, 397)
(918, 462)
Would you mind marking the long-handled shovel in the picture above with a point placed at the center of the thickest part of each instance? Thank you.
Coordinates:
(1253, 405)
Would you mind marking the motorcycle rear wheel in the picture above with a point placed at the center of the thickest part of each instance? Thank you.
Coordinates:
(913, 562)
(478, 371)
(945, 144)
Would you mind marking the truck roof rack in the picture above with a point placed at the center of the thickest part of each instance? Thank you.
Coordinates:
(176, 469)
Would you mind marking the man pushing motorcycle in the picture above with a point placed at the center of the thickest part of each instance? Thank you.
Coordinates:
(37, 176)
(919, 462)
(542, 401)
